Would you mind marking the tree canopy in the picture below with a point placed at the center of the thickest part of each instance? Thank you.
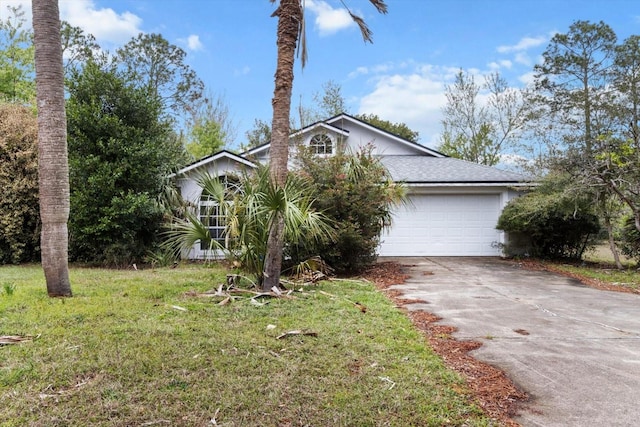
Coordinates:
(121, 150)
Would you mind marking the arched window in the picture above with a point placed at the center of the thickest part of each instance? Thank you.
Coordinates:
(321, 144)
(213, 215)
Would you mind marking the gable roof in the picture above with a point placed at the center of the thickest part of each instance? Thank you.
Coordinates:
(305, 130)
(213, 158)
(340, 118)
(446, 170)
(336, 124)
(426, 167)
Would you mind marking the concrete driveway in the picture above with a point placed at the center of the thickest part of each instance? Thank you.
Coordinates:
(580, 362)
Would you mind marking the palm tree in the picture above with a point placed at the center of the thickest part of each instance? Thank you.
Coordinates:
(53, 166)
(249, 208)
(290, 36)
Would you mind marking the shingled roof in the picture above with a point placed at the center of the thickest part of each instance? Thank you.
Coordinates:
(433, 170)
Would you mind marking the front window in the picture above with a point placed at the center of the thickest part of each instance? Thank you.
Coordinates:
(321, 144)
(213, 215)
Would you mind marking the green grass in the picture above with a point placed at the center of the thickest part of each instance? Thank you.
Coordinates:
(605, 273)
(599, 265)
(119, 353)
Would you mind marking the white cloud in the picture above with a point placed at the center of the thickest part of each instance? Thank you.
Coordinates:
(243, 71)
(523, 58)
(527, 79)
(524, 44)
(415, 99)
(328, 20)
(499, 65)
(105, 24)
(360, 71)
(192, 42)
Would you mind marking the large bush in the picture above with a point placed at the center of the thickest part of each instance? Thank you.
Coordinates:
(556, 222)
(19, 211)
(120, 151)
(629, 238)
(355, 191)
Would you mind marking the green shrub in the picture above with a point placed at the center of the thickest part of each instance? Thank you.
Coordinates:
(355, 191)
(629, 237)
(121, 148)
(19, 210)
(557, 223)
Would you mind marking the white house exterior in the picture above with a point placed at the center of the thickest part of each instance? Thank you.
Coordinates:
(453, 206)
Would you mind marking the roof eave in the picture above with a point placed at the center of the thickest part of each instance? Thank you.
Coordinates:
(469, 184)
(214, 157)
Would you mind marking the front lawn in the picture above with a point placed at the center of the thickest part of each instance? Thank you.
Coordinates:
(139, 348)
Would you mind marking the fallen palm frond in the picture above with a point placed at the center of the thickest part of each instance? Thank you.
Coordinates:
(297, 332)
(14, 339)
(312, 271)
(231, 293)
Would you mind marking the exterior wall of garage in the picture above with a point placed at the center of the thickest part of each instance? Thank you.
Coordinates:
(448, 221)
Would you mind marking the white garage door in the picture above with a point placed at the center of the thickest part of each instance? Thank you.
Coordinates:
(444, 225)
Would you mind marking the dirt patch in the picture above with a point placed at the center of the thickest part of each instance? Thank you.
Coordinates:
(492, 390)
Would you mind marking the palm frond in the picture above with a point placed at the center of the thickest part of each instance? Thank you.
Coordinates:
(367, 34)
(183, 233)
(380, 6)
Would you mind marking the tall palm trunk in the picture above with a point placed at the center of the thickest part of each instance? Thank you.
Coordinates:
(53, 167)
(290, 17)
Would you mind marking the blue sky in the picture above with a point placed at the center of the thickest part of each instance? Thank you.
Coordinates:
(418, 47)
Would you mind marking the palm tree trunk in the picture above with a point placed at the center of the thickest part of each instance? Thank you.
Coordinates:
(53, 167)
(290, 17)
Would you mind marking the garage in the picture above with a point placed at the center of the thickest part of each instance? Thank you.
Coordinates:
(445, 225)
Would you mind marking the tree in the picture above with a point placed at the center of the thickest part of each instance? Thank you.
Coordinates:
(573, 80)
(259, 135)
(210, 127)
(356, 192)
(19, 216)
(153, 63)
(399, 129)
(619, 162)
(327, 103)
(482, 132)
(53, 167)
(16, 59)
(121, 150)
(574, 94)
(290, 35)
(77, 47)
(331, 101)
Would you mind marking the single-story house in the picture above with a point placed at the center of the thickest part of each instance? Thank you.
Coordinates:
(453, 206)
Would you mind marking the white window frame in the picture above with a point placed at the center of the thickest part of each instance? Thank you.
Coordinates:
(322, 144)
(212, 216)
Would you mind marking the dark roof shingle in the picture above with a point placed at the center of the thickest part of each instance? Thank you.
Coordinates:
(425, 169)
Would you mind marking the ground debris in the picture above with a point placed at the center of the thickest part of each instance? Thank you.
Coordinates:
(230, 294)
(15, 339)
(494, 392)
(297, 332)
